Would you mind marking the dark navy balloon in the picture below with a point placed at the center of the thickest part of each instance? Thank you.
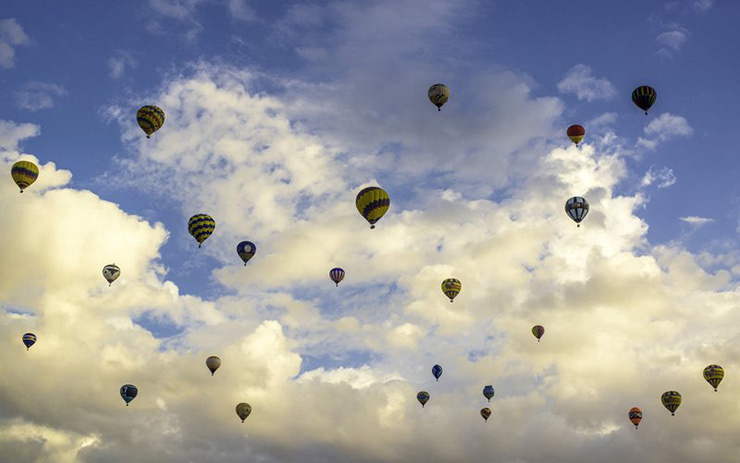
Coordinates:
(336, 275)
(246, 250)
(488, 392)
(129, 393)
(29, 339)
(437, 371)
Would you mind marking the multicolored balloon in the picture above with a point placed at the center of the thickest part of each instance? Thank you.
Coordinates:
(423, 398)
(29, 339)
(714, 374)
(213, 363)
(24, 173)
(110, 273)
(438, 94)
(336, 274)
(246, 250)
(538, 331)
(485, 413)
(243, 410)
(200, 226)
(644, 97)
(635, 416)
(372, 202)
(576, 133)
(150, 119)
(488, 392)
(437, 371)
(671, 400)
(129, 393)
(451, 287)
(576, 208)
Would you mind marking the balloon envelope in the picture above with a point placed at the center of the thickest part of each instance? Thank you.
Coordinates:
(110, 273)
(200, 226)
(246, 250)
(336, 274)
(644, 97)
(422, 397)
(538, 331)
(24, 173)
(29, 339)
(438, 94)
(577, 208)
(150, 119)
(488, 392)
(671, 400)
(713, 374)
(243, 410)
(635, 415)
(451, 287)
(437, 371)
(372, 203)
(129, 393)
(485, 413)
(213, 363)
(576, 133)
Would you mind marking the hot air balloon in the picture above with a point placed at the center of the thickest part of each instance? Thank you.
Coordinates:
(576, 208)
(671, 400)
(485, 413)
(150, 119)
(438, 95)
(129, 393)
(111, 272)
(24, 173)
(336, 274)
(451, 287)
(437, 371)
(213, 363)
(423, 398)
(29, 339)
(372, 202)
(538, 331)
(488, 392)
(714, 374)
(243, 410)
(246, 250)
(575, 133)
(635, 416)
(200, 226)
(644, 97)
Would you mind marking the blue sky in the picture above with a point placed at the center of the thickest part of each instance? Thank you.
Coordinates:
(277, 114)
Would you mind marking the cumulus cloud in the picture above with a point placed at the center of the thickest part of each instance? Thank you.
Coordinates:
(11, 35)
(35, 96)
(581, 82)
(120, 62)
(672, 39)
(663, 128)
(662, 178)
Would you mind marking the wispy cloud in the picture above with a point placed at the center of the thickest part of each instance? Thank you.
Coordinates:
(581, 82)
(120, 62)
(11, 35)
(703, 5)
(695, 220)
(38, 95)
(663, 128)
(662, 178)
(672, 40)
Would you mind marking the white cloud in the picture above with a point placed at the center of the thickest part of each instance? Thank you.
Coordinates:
(663, 128)
(580, 81)
(120, 62)
(694, 220)
(663, 178)
(239, 9)
(11, 35)
(672, 39)
(703, 5)
(38, 95)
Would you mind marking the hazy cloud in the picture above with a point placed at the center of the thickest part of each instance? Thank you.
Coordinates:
(11, 35)
(662, 178)
(120, 62)
(672, 39)
(703, 5)
(581, 82)
(38, 95)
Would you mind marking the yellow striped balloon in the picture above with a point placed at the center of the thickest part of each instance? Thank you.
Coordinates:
(714, 374)
(372, 202)
(671, 400)
(200, 226)
(438, 94)
(24, 173)
(451, 287)
(150, 119)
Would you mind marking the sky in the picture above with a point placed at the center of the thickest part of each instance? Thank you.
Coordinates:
(277, 115)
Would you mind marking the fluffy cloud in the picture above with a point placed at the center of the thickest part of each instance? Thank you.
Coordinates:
(581, 82)
(38, 95)
(663, 128)
(11, 35)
